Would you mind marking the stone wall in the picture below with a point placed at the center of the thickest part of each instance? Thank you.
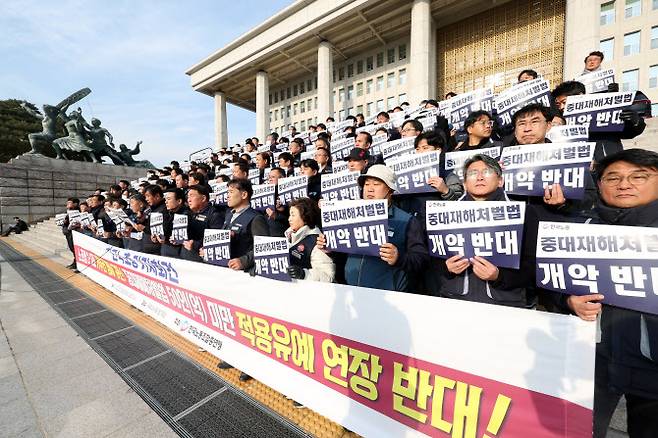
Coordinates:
(35, 187)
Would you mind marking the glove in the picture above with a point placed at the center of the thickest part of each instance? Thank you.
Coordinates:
(630, 116)
(296, 272)
(613, 87)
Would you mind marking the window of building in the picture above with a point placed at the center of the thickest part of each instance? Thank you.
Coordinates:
(608, 49)
(309, 104)
(350, 111)
(288, 93)
(270, 116)
(276, 114)
(341, 73)
(309, 122)
(390, 80)
(380, 105)
(301, 88)
(390, 102)
(294, 109)
(653, 76)
(369, 108)
(315, 83)
(288, 111)
(654, 106)
(350, 92)
(302, 107)
(402, 98)
(402, 52)
(380, 83)
(629, 80)
(359, 109)
(390, 56)
(282, 96)
(350, 70)
(334, 75)
(655, 4)
(341, 115)
(654, 37)
(369, 64)
(402, 76)
(380, 59)
(632, 43)
(294, 90)
(359, 66)
(633, 8)
(302, 126)
(315, 103)
(369, 86)
(359, 89)
(341, 94)
(309, 85)
(270, 98)
(607, 13)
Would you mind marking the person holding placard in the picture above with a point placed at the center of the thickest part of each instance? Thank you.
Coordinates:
(479, 126)
(307, 261)
(627, 356)
(476, 278)
(202, 215)
(277, 217)
(405, 253)
(155, 201)
(133, 229)
(175, 204)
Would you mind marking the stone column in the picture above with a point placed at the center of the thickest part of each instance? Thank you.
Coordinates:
(581, 36)
(325, 82)
(221, 131)
(423, 50)
(262, 105)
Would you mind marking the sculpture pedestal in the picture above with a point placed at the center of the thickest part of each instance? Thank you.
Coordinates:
(35, 187)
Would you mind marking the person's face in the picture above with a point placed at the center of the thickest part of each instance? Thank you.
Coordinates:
(123, 185)
(481, 128)
(235, 197)
(269, 140)
(283, 164)
(424, 146)
(180, 182)
(295, 219)
(171, 202)
(360, 119)
(374, 188)
(361, 141)
(273, 177)
(152, 199)
(135, 206)
(116, 205)
(356, 165)
(382, 119)
(525, 77)
(254, 140)
(626, 185)
(70, 205)
(260, 163)
(592, 62)
(294, 147)
(92, 202)
(531, 128)
(480, 180)
(557, 121)
(308, 171)
(196, 201)
(238, 173)
(192, 181)
(561, 102)
(321, 156)
(84, 208)
(408, 130)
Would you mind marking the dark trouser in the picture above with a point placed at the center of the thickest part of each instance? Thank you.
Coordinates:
(69, 241)
(167, 250)
(642, 412)
(15, 228)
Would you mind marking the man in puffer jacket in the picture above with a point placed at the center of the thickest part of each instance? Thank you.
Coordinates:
(307, 261)
(627, 356)
(477, 279)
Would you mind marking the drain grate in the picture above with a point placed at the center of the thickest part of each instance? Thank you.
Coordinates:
(64, 296)
(101, 324)
(80, 307)
(129, 347)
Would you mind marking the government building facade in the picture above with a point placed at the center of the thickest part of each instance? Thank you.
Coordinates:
(318, 58)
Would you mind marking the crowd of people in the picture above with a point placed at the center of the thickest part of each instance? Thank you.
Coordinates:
(621, 189)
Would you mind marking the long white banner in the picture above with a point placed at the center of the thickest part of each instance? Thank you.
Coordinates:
(380, 363)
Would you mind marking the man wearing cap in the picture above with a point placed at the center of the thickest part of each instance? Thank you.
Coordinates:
(403, 256)
(363, 141)
(357, 160)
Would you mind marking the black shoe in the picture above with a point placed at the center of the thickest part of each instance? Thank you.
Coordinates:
(244, 377)
(72, 265)
(224, 366)
(297, 405)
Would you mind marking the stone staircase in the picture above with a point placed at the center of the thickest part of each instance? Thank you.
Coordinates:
(648, 139)
(47, 238)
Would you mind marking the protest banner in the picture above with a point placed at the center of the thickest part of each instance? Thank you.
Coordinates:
(100, 228)
(528, 169)
(74, 216)
(454, 161)
(600, 112)
(619, 262)
(377, 142)
(465, 103)
(334, 350)
(85, 221)
(217, 247)
(341, 148)
(308, 155)
(395, 148)
(156, 222)
(60, 218)
(179, 229)
(220, 193)
(340, 186)
(338, 166)
(412, 171)
(568, 134)
(335, 127)
(597, 81)
(263, 196)
(396, 119)
(516, 97)
(293, 187)
(371, 129)
(492, 229)
(355, 227)
(271, 257)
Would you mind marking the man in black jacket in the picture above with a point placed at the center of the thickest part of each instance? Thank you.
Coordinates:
(202, 216)
(19, 226)
(155, 200)
(627, 356)
(175, 204)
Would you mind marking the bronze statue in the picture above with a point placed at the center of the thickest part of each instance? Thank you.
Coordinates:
(126, 155)
(99, 145)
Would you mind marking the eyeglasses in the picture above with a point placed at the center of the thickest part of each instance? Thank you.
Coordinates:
(409, 130)
(532, 123)
(486, 173)
(636, 179)
(485, 123)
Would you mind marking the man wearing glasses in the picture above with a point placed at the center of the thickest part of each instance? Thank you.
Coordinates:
(479, 126)
(321, 156)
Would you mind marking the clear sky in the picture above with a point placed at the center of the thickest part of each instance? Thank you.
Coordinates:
(133, 55)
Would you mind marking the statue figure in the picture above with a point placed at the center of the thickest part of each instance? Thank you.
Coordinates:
(39, 141)
(126, 155)
(75, 142)
(97, 135)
